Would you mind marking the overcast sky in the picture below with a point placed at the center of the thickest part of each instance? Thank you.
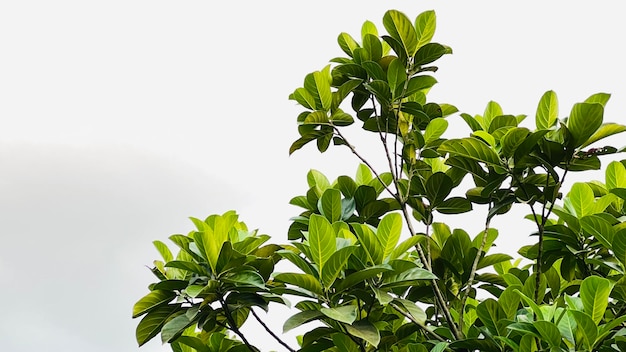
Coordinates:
(120, 119)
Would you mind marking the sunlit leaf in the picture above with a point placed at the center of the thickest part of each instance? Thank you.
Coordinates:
(584, 121)
(305, 281)
(335, 264)
(425, 25)
(547, 111)
(474, 149)
(301, 318)
(594, 293)
(151, 324)
(435, 129)
(151, 301)
(345, 314)
(365, 330)
(400, 28)
(388, 232)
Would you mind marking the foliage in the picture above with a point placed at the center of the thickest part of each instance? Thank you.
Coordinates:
(371, 261)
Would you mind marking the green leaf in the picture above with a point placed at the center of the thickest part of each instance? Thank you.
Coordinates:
(163, 250)
(549, 332)
(321, 240)
(454, 205)
(615, 175)
(490, 313)
(345, 314)
(492, 110)
(304, 98)
(151, 324)
(388, 232)
(485, 136)
(318, 180)
(301, 318)
(305, 281)
(584, 121)
(438, 187)
(331, 204)
(191, 267)
(605, 130)
(547, 111)
(396, 76)
(347, 43)
(513, 139)
(336, 263)
(580, 199)
(401, 29)
(175, 327)
(363, 329)
(362, 275)
(413, 309)
(363, 175)
(599, 98)
(425, 25)
(369, 241)
(407, 244)
(587, 328)
(344, 343)
(534, 306)
(152, 300)
(474, 149)
(619, 246)
(599, 228)
(246, 278)
(408, 278)
(435, 129)
(594, 293)
(429, 52)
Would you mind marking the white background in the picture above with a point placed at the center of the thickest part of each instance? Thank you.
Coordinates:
(120, 119)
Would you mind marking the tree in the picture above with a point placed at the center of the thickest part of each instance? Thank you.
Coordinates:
(371, 261)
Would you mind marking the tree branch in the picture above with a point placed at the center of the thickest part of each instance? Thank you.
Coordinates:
(270, 331)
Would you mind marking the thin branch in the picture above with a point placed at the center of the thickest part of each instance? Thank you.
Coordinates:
(367, 163)
(270, 331)
(470, 281)
(233, 325)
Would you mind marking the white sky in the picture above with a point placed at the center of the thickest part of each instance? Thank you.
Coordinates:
(120, 119)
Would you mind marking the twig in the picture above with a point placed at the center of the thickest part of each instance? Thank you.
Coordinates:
(270, 331)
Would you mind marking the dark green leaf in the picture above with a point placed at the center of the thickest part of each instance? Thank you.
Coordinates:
(151, 324)
(151, 301)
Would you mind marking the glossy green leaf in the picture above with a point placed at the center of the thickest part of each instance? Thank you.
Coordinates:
(369, 241)
(318, 180)
(594, 293)
(615, 175)
(151, 324)
(175, 327)
(304, 98)
(401, 29)
(430, 52)
(363, 175)
(335, 265)
(365, 330)
(344, 343)
(396, 76)
(163, 250)
(598, 227)
(619, 246)
(413, 309)
(435, 129)
(547, 111)
(246, 278)
(331, 204)
(407, 244)
(587, 329)
(530, 302)
(362, 275)
(301, 318)
(492, 110)
(388, 233)
(580, 199)
(408, 278)
(344, 314)
(454, 205)
(438, 187)
(549, 332)
(187, 266)
(605, 130)
(474, 149)
(321, 240)
(584, 121)
(425, 25)
(305, 281)
(490, 313)
(419, 83)
(599, 98)
(151, 301)
(347, 43)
